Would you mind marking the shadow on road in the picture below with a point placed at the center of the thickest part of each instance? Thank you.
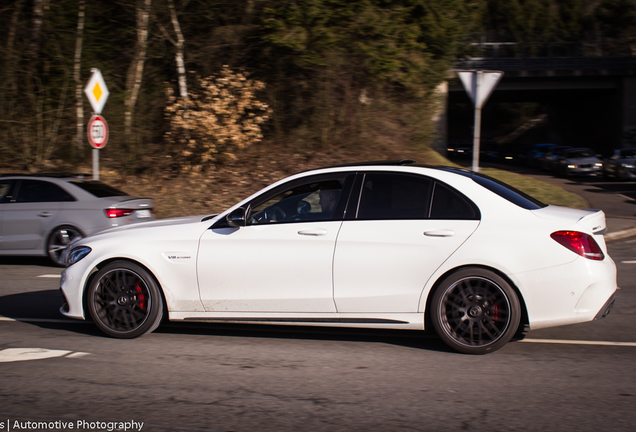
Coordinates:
(41, 308)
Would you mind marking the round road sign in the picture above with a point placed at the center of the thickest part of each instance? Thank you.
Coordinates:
(97, 131)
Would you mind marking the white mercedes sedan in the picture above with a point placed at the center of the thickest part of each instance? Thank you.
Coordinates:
(377, 245)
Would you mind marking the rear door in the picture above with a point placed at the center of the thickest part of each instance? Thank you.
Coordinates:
(31, 214)
(405, 226)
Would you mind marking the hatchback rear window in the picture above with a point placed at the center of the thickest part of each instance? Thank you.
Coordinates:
(99, 189)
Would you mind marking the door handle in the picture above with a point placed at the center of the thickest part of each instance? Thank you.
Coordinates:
(440, 233)
(44, 214)
(313, 232)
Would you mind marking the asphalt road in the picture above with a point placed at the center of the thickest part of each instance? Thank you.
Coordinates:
(255, 378)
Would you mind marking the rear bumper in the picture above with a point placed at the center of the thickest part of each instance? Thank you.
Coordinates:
(607, 307)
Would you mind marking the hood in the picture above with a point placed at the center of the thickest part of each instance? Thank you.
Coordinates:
(585, 160)
(155, 224)
(592, 221)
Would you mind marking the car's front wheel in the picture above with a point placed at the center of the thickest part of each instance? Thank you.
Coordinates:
(59, 240)
(124, 300)
(475, 311)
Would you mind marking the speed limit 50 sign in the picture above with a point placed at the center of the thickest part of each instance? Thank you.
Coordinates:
(97, 131)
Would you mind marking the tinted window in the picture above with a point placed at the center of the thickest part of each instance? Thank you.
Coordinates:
(41, 191)
(395, 196)
(99, 189)
(315, 200)
(508, 192)
(450, 204)
(6, 187)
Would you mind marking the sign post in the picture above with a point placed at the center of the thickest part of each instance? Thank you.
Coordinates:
(479, 85)
(97, 94)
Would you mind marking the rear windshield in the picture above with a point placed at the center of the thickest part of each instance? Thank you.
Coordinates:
(99, 189)
(506, 191)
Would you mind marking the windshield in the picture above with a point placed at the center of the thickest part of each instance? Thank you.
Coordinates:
(579, 154)
(506, 191)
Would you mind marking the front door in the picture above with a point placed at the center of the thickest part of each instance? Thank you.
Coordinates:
(282, 260)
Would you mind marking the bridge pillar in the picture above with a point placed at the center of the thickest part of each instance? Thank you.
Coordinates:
(628, 92)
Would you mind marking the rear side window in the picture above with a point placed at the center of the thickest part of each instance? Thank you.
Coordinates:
(450, 204)
(395, 196)
(32, 191)
(98, 189)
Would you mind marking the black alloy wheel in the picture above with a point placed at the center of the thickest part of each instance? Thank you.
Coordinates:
(124, 300)
(475, 311)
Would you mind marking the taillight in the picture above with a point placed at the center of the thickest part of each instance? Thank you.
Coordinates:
(115, 213)
(579, 243)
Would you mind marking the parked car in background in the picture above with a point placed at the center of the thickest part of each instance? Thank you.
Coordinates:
(579, 162)
(42, 214)
(381, 245)
(551, 157)
(621, 165)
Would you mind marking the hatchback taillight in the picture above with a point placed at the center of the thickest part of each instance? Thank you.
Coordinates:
(115, 213)
(579, 243)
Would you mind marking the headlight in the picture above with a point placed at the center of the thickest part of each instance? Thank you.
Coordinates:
(598, 165)
(77, 254)
(626, 165)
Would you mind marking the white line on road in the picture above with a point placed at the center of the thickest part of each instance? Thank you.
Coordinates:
(628, 262)
(24, 354)
(52, 276)
(579, 342)
(42, 320)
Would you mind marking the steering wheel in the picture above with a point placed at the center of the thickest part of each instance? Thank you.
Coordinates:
(270, 214)
(275, 214)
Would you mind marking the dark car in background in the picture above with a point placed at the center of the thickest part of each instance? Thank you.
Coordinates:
(42, 214)
(621, 165)
(550, 158)
(579, 162)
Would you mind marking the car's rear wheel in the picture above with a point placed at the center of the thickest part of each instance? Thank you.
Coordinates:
(475, 311)
(124, 300)
(59, 240)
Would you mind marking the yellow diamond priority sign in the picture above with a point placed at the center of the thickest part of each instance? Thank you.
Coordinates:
(96, 91)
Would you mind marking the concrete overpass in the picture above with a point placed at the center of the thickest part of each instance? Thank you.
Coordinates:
(588, 89)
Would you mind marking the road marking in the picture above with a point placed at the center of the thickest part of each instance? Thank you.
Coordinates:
(52, 276)
(579, 342)
(628, 262)
(42, 320)
(25, 354)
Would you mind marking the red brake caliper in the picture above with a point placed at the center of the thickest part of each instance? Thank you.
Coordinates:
(141, 297)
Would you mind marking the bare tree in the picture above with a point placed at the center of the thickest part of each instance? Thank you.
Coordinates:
(79, 107)
(136, 69)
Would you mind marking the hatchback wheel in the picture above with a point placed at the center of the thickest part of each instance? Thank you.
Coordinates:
(475, 311)
(59, 241)
(124, 300)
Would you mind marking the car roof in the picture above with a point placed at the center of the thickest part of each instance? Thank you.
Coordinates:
(77, 176)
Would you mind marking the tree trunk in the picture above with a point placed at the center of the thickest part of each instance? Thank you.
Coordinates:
(79, 107)
(183, 86)
(136, 69)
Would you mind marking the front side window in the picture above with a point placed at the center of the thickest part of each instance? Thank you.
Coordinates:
(6, 190)
(31, 191)
(312, 201)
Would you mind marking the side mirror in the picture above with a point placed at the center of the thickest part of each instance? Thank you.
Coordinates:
(236, 218)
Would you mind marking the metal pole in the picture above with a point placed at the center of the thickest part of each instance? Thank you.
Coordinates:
(476, 139)
(477, 128)
(95, 164)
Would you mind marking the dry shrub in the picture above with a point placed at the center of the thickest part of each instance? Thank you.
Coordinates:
(221, 115)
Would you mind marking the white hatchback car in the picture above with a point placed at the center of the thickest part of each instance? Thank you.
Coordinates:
(382, 245)
(42, 214)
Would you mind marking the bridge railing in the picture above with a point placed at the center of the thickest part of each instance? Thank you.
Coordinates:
(545, 56)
